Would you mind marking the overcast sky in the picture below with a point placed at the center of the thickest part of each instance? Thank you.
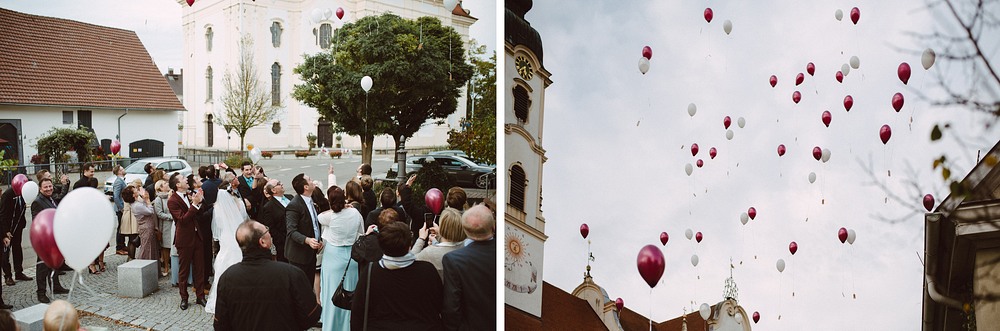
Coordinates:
(618, 141)
(158, 22)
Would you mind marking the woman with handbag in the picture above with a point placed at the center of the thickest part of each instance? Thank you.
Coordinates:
(341, 227)
(165, 226)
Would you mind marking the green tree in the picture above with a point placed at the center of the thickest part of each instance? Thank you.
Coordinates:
(477, 135)
(246, 100)
(417, 67)
(57, 141)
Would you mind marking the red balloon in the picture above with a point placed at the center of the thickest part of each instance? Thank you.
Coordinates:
(694, 149)
(796, 96)
(116, 146)
(190, 3)
(584, 230)
(711, 153)
(699, 163)
(781, 150)
(697, 236)
(840, 76)
(903, 72)
(885, 133)
(43, 239)
(848, 102)
(842, 235)
(827, 117)
(811, 69)
(752, 212)
(897, 101)
(434, 200)
(726, 122)
(773, 80)
(799, 78)
(756, 317)
(664, 237)
(929, 202)
(619, 304)
(793, 247)
(17, 183)
(340, 13)
(817, 153)
(709, 15)
(650, 263)
(855, 15)
(647, 52)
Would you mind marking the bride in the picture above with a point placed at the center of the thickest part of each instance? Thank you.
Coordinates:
(227, 215)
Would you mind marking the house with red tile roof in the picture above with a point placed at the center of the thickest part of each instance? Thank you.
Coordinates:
(61, 73)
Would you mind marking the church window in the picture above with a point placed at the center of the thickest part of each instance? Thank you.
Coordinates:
(208, 39)
(275, 84)
(325, 33)
(521, 104)
(276, 34)
(517, 185)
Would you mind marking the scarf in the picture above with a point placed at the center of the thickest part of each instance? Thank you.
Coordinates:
(393, 263)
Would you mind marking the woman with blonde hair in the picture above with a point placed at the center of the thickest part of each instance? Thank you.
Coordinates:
(449, 236)
(166, 222)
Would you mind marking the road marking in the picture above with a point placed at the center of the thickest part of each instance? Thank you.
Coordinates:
(284, 169)
(303, 167)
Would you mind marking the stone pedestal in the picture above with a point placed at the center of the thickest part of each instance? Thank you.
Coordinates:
(137, 278)
(30, 318)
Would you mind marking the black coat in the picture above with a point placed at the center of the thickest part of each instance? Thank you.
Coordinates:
(299, 224)
(372, 217)
(254, 195)
(470, 287)
(370, 200)
(260, 294)
(401, 299)
(416, 215)
(272, 215)
(11, 212)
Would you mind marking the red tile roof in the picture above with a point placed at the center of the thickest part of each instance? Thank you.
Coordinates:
(53, 61)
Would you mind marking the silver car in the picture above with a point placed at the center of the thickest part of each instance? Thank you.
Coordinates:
(136, 170)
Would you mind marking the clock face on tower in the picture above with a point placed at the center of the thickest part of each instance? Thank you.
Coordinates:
(523, 67)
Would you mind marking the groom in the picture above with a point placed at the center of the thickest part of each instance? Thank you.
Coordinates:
(187, 238)
(303, 227)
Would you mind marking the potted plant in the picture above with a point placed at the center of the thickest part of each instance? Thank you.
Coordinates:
(267, 155)
(339, 139)
(311, 139)
(336, 154)
(302, 154)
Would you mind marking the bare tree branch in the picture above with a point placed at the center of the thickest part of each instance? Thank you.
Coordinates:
(246, 101)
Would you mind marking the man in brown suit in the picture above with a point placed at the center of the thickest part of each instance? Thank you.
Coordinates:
(187, 238)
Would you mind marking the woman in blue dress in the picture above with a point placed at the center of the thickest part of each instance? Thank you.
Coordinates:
(342, 225)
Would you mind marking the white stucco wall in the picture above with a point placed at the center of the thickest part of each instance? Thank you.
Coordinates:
(987, 281)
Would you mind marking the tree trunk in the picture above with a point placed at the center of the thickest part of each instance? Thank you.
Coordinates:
(395, 148)
(242, 136)
(366, 148)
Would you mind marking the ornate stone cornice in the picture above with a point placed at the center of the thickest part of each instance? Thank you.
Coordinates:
(509, 128)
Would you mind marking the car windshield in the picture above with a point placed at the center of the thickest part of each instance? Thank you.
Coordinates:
(136, 168)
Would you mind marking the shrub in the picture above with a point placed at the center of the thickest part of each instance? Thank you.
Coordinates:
(311, 139)
(267, 155)
(235, 161)
(336, 154)
(302, 154)
(429, 176)
(38, 159)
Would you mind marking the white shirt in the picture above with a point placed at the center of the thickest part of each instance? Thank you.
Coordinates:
(185, 198)
(343, 228)
(312, 214)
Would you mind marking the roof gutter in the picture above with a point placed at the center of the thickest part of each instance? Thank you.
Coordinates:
(931, 242)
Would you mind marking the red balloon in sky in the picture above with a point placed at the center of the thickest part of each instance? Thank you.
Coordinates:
(697, 236)
(664, 237)
(855, 15)
(811, 69)
(650, 263)
(903, 72)
(116, 146)
(796, 96)
(827, 117)
(619, 303)
(929, 202)
(584, 230)
(897, 101)
(773, 80)
(752, 212)
(793, 247)
(726, 122)
(885, 133)
(842, 235)
(817, 153)
(781, 150)
(756, 317)
(340, 13)
(709, 15)
(848, 102)
(699, 163)
(840, 76)
(647, 52)
(799, 78)
(711, 152)
(190, 3)
(694, 149)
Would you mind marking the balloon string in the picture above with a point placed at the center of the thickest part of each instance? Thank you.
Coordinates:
(650, 309)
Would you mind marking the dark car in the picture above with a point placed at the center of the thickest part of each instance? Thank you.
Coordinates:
(465, 172)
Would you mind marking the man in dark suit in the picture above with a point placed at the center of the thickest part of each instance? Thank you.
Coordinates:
(12, 208)
(252, 196)
(470, 275)
(388, 200)
(210, 186)
(272, 215)
(302, 225)
(87, 178)
(368, 193)
(43, 274)
(187, 238)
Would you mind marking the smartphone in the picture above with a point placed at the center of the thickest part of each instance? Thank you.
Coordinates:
(429, 220)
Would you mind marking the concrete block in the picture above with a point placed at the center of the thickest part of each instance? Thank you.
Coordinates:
(137, 278)
(30, 318)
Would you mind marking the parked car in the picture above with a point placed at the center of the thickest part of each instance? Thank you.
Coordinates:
(136, 170)
(465, 172)
(455, 152)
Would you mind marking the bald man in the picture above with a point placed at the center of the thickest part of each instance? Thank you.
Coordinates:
(470, 275)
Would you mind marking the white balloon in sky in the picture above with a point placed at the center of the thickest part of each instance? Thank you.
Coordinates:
(729, 134)
(927, 59)
(643, 65)
(727, 27)
(839, 15)
(692, 109)
(744, 218)
(688, 233)
(327, 12)
(826, 155)
(812, 177)
(741, 122)
(851, 236)
(694, 260)
(705, 311)
(366, 83)
(317, 15)
(688, 169)
(450, 4)
(855, 62)
(846, 69)
(780, 265)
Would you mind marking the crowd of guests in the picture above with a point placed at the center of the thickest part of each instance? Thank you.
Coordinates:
(406, 267)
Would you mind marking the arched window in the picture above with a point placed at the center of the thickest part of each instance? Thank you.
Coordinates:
(521, 104)
(208, 39)
(325, 33)
(517, 186)
(210, 129)
(276, 34)
(275, 84)
(208, 83)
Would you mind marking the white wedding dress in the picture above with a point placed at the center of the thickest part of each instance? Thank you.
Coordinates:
(227, 215)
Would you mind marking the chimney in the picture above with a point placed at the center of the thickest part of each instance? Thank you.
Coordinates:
(170, 71)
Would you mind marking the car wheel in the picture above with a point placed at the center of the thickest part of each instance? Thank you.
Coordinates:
(483, 181)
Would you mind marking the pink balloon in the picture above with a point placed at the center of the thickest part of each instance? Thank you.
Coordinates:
(17, 183)
(699, 163)
(584, 230)
(43, 239)
(817, 153)
(842, 235)
(929, 202)
(756, 317)
(903, 72)
(434, 200)
(773, 80)
(885, 133)
(793, 247)
(781, 150)
(799, 79)
(340, 13)
(647, 52)
(619, 303)
(811, 69)
(827, 117)
(848, 102)
(897, 101)
(650, 263)
(796, 96)
(709, 15)
(664, 237)
(855, 15)
(726, 122)
(752, 212)
(712, 152)
(694, 149)
(697, 236)
(840, 76)
(116, 146)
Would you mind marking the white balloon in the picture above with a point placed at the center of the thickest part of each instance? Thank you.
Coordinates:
(846, 69)
(643, 65)
(705, 311)
(727, 26)
(826, 155)
(812, 177)
(741, 122)
(83, 225)
(839, 15)
(851, 236)
(855, 62)
(317, 15)
(450, 4)
(694, 260)
(780, 265)
(327, 12)
(688, 233)
(29, 191)
(927, 59)
(255, 155)
(366, 83)
(729, 134)
(744, 218)
(692, 109)
(688, 169)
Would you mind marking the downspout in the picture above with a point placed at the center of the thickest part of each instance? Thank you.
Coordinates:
(931, 242)
(119, 136)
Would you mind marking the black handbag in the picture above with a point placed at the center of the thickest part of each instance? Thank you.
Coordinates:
(341, 297)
